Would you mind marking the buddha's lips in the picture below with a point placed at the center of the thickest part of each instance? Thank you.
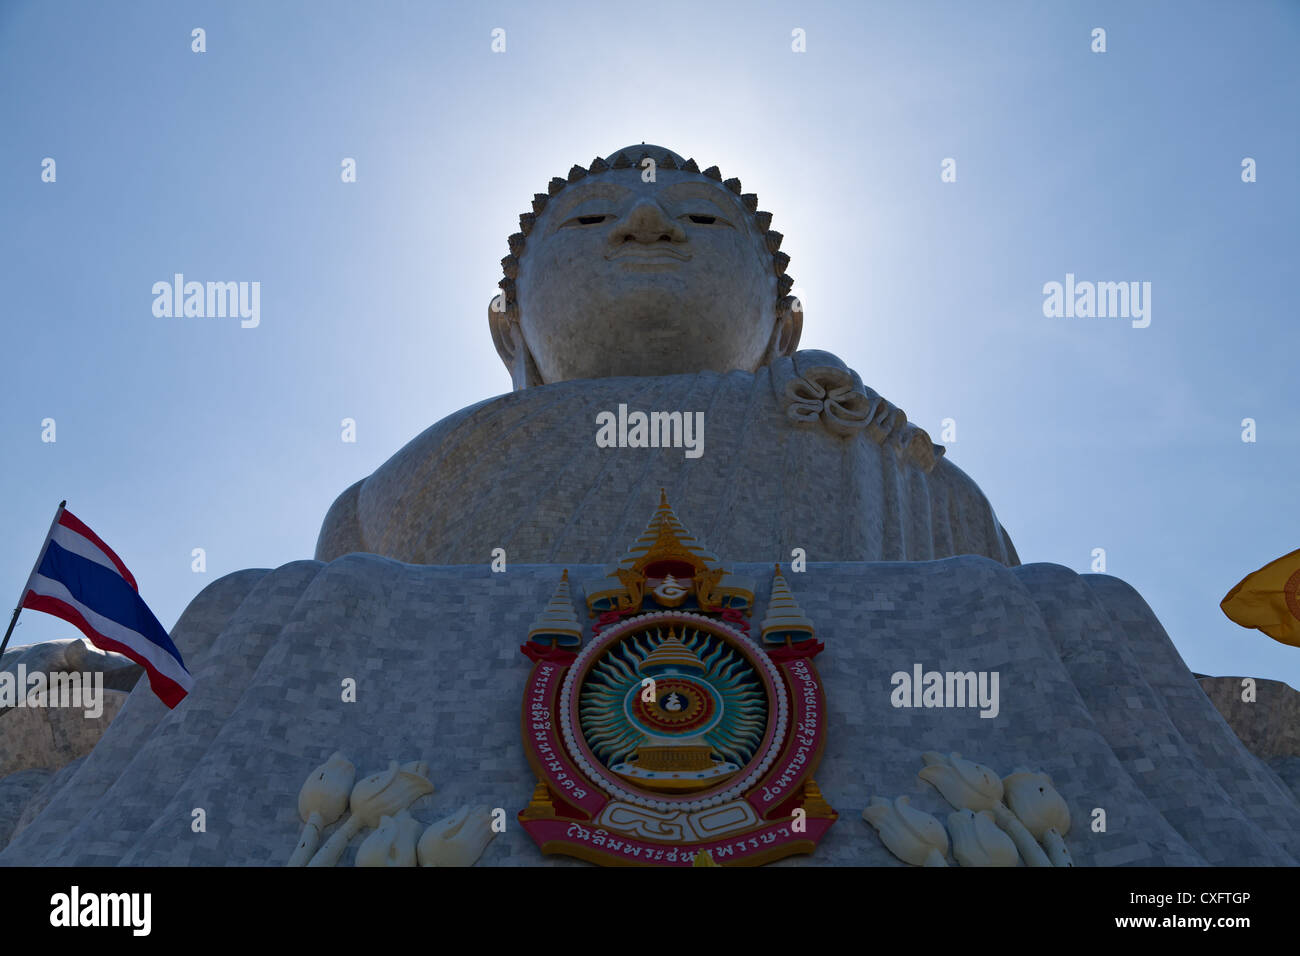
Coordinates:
(644, 251)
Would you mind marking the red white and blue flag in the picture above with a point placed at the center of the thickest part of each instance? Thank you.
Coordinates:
(80, 579)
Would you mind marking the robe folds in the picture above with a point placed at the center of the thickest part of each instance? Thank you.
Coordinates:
(799, 454)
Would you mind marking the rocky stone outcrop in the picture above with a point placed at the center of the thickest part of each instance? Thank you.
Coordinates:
(1268, 723)
(37, 742)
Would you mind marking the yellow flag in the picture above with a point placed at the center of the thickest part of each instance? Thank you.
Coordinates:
(1269, 599)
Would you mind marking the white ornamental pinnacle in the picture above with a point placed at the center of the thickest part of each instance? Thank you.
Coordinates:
(558, 620)
(785, 621)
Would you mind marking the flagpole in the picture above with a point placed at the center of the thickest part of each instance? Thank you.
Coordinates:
(39, 558)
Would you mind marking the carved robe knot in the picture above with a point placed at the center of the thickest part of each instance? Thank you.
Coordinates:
(838, 399)
(830, 394)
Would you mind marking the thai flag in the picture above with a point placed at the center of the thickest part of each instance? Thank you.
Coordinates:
(80, 579)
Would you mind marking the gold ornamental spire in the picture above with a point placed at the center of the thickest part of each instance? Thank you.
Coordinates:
(558, 621)
(785, 622)
(666, 537)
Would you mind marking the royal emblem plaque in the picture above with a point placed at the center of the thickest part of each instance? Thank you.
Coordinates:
(673, 738)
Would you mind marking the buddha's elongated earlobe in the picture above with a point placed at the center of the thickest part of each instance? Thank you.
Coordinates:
(787, 329)
(508, 337)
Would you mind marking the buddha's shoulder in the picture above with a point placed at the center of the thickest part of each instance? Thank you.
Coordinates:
(809, 389)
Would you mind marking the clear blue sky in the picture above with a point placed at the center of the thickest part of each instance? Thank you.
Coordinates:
(181, 433)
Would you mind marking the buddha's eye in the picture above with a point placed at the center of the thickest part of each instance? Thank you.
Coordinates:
(706, 219)
(593, 220)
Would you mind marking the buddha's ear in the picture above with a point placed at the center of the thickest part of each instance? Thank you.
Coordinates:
(788, 328)
(509, 341)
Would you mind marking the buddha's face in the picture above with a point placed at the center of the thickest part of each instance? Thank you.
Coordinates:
(626, 277)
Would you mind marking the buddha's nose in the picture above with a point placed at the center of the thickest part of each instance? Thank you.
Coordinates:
(646, 222)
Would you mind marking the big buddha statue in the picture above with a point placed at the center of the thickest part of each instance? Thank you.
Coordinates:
(646, 321)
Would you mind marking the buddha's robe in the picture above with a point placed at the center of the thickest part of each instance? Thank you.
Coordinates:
(796, 455)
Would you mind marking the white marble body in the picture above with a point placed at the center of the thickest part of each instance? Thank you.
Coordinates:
(522, 472)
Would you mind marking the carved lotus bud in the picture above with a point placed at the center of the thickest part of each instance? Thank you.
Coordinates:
(978, 841)
(387, 792)
(392, 843)
(539, 202)
(1035, 801)
(912, 835)
(457, 840)
(555, 185)
(733, 184)
(964, 784)
(713, 172)
(326, 791)
(1030, 851)
(418, 767)
(598, 165)
(321, 801)
(691, 166)
(621, 161)
(379, 795)
(750, 201)
(763, 220)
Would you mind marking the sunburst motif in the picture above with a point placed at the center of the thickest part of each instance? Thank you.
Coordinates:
(613, 738)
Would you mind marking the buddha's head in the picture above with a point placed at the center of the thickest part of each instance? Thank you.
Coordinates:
(641, 264)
